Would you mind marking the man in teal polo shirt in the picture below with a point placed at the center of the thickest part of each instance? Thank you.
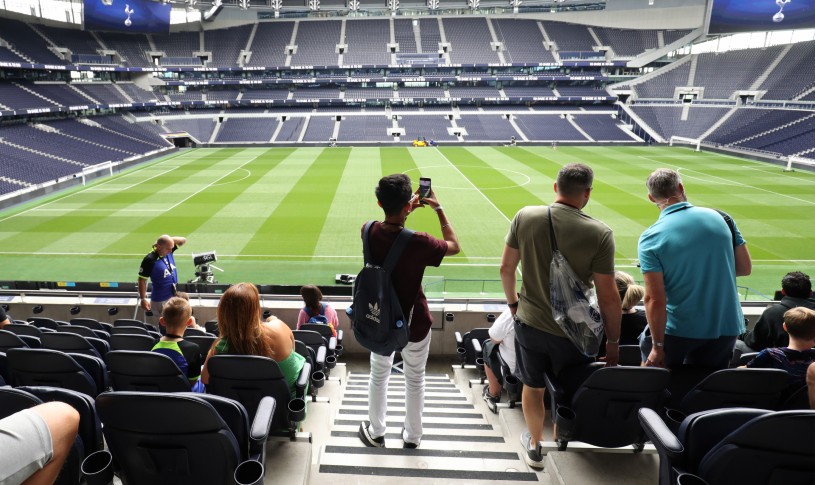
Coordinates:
(690, 260)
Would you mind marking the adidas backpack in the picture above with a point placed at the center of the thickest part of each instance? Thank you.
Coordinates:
(377, 318)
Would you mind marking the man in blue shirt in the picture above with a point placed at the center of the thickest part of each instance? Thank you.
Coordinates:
(159, 267)
(690, 259)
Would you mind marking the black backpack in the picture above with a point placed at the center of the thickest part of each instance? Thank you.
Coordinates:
(376, 315)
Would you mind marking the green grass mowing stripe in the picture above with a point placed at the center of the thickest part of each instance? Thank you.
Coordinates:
(196, 203)
(355, 201)
(296, 224)
(397, 160)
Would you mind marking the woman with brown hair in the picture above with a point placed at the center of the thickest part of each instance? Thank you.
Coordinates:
(243, 333)
(315, 311)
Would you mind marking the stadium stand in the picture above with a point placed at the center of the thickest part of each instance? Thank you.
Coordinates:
(723, 73)
(548, 128)
(367, 42)
(269, 44)
(487, 128)
(316, 43)
(200, 128)
(226, 45)
(27, 42)
(522, 39)
(663, 85)
(319, 129)
(791, 77)
(364, 128)
(132, 48)
(246, 130)
(628, 43)
(404, 36)
(470, 40)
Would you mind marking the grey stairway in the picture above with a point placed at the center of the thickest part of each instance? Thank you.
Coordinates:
(460, 445)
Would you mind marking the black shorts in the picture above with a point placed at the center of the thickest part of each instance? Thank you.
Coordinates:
(538, 352)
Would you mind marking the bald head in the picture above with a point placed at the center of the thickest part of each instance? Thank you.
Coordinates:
(164, 245)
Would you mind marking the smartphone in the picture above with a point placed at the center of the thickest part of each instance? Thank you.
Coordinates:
(424, 187)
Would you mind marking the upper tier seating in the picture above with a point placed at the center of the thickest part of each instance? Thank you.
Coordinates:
(269, 44)
(404, 35)
(78, 41)
(523, 40)
(29, 43)
(316, 43)
(226, 44)
(431, 35)
(132, 47)
(722, 74)
(367, 42)
(470, 40)
(628, 43)
(793, 75)
(569, 37)
(663, 85)
(15, 97)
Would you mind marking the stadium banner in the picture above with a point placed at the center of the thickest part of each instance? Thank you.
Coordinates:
(733, 16)
(134, 16)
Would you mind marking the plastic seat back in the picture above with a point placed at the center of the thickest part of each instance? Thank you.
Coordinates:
(9, 340)
(87, 323)
(46, 367)
(145, 372)
(90, 428)
(168, 439)
(69, 343)
(247, 379)
(204, 342)
(728, 388)
(775, 448)
(43, 322)
(322, 329)
(606, 404)
(132, 342)
(23, 329)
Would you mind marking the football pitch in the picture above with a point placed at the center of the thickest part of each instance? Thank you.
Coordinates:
(293, 215)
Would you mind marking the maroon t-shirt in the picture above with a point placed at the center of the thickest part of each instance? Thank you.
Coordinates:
(422, 251)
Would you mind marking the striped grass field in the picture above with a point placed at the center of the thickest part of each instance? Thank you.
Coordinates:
(293, 215)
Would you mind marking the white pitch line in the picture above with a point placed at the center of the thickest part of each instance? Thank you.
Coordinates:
(733, 182)
(117, 189)
(211, 183)
(474, 186)
(67, 209)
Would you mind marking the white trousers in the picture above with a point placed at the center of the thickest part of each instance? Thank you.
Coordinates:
(414, 357)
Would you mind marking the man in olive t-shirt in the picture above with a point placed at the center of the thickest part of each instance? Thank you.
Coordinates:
(588, 246)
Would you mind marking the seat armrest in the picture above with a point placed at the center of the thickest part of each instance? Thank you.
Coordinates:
(477, 347)
(303, 380)
(660, 435)
(689, 479)
(339, 337)
(556, 390)
(332, 345)
(259, 431)
(459, 340)
(320, 361)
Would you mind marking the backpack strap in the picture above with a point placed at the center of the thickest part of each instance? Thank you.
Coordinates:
(322, 309)
(552, 230)
(308, 312)
(366, 249)
(730, 224)
(396, 250)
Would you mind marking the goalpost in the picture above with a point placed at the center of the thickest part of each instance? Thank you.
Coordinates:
(798, 160)
(96, 168)
(687, 141)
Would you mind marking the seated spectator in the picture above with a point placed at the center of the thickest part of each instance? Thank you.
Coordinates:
(799, 323)
(176, 316)
(502, 340)
(315, 310)
(36, 442)
(4, 319)
(243, 333)
(633, 321)
(186, 296)
(768, 332)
